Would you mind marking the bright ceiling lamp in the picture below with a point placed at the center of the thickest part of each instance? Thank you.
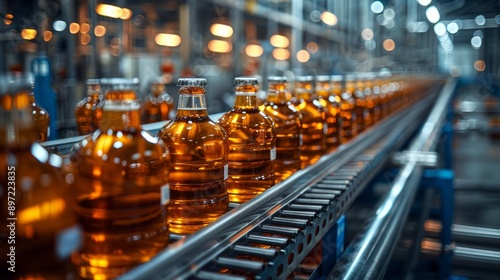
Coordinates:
(432, 14)
(424, 2)
(219, 46)
(221, 30)
(303, 56)
(279, 41)
(108, 10)
(281, 54)
(329, 18)
(167, 40)
(254, 50)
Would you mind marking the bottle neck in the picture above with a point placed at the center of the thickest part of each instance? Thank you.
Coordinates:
(31, 97)
(276, 93)
(192, 102)
(16, 129)
(246, 97)
(121, 112)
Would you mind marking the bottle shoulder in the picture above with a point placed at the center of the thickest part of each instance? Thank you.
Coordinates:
(186, 129)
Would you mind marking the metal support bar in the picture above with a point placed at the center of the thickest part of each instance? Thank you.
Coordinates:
(369, 254)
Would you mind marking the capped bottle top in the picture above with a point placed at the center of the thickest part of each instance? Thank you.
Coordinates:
(91, 82)
(322, 78)
(197, 82)
(350, 77)
(119, 84)
(277, 79)
(241, 81)
(337, 78)
(304, 78)
(15, 82)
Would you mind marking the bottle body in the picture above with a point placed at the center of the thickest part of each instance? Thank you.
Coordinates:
(121, 190)
(41, 120)
(198, 149)
(314, 128)
(158, 105)
(251, 145)
(332, 110)
(287, 127)
(35, 197)
(88, 111)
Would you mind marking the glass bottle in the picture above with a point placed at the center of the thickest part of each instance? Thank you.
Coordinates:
(121, 188)
(346, 107)
(314, 126)
(333, 117)
(252, 144)
(287, 122)
(88, 111)
(36, 205)
(41, 118)
(199, 151)
(158, 105)
(365, 85)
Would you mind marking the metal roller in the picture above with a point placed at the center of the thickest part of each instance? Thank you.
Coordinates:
(286, 231)
(268, 240)
(239, 264)
(300, 223)
(299, 214)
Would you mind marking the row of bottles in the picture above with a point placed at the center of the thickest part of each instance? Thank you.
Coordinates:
(129, 189)
(157, 106)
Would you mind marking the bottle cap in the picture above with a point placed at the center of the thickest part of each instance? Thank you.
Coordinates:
(240, 81)
(322, 78)
(119, 83)
(337, 78)
(277, 79)
(91, 82)
(15, 82)
(197, 82)
(304, 78)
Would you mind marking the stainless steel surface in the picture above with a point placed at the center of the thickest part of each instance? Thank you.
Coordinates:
(369, 254)
(247, 223)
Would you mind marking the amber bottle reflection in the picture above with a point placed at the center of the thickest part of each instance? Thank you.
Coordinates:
(158, 105)
(88, 111)
(314, 127)
(199, 152)
(252, 144)
(35, 201)
(333, 111)
(287, 124)
(346, 106)
(121, 186)
(41, 119)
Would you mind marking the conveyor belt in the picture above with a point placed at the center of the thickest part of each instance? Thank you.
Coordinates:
(267, 237)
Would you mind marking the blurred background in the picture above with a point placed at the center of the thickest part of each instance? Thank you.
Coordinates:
(222, 39)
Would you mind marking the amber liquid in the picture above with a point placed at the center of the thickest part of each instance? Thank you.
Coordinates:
(122, 192)
(314, 128)
(34, 197)
(251, 147)
(157, 107)
(41, 120)
(287, 127)
(198, 149)
(333, 116)
(347, 114)
(88, 113)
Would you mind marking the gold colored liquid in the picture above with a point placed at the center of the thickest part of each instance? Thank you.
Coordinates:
(251, 147)
(198, 149)
(158, 106)
(333, 115)
(347, 115)
(122, 193)
(286, 121)
(34, 198)
(41, 120)
(88, 113)
(314, 128)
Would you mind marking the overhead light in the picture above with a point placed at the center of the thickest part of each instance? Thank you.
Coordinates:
(126, 14)
(109, 10)
(480, 20)
(47, 35)
(432, 14)
(279, 41)
(254, 50)
(59, 25)
(84, 28)
(74, 28)
(221, 30)
(219, 46)
(377, 7)
(440, 29)
(476, 42)
(99, 31)
(7, 20)
(28, 33)
(452, 27)
(303, 56)
(85, 39)
(312, 47)
(329, 18)
(367, 34)
(424, 2)
(389, 45)
(167, 40)
(281, 54)
(479, 65)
